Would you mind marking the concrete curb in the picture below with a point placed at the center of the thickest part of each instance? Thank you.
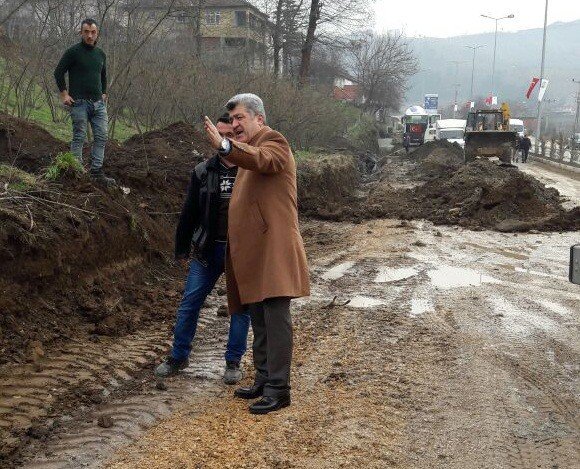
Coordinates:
(573, 167)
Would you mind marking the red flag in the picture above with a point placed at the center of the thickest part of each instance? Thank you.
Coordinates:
(532, 86)
(489, 100)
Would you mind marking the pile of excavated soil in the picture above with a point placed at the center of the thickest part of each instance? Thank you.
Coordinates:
(157, 165)
(75, 258)
(327, 186)
(68, 257)
(478, 195)
(26, 145)
(438, 157)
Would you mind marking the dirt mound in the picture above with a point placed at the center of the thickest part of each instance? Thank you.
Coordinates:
(442, 157)
(26, 145)
(481, 194)
(327, 186)
(427, 150)
(76, 258)
(157, 165)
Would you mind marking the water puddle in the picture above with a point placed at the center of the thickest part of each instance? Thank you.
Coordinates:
(447, 277)
(420, 306)
(337, 271)
(360, 301)
(389, 274)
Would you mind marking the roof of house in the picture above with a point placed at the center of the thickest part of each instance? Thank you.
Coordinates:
(348, 93)
(181, 4)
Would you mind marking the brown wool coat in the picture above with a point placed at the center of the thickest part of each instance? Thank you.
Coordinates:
(265, 256)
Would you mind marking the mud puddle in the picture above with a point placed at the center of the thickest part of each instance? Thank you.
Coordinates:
(360, 301)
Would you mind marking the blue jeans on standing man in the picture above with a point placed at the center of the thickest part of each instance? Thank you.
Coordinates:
(200, 282)
(83, 112)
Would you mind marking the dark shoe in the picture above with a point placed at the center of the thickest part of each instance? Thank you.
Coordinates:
(270, 404)
(233, 373)
(250, 393)
(98, 177)
(170, 367)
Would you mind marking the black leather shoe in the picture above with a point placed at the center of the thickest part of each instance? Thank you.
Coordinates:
(270, 404)
(250, 393)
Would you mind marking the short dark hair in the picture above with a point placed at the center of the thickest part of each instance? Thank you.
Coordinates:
(225, 118)
(88, 21)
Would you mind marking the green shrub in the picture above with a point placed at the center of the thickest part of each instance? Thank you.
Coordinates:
(363, 135)
(64, 162)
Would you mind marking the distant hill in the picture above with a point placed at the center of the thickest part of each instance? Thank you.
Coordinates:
(518, 60)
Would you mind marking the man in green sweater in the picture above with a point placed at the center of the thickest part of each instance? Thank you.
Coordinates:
(86, 96)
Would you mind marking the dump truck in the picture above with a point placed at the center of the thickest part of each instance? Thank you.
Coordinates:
(488, 135)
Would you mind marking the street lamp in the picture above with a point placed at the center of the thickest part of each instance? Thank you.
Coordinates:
(474, 48)
(539, 120)
(456, 85)
(577, 111)
(495, 45)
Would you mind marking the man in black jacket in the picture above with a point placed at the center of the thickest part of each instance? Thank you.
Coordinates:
(525, 145)
(204, 223)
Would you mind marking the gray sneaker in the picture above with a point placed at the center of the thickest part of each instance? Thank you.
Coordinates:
(170, 367)
(233, 373)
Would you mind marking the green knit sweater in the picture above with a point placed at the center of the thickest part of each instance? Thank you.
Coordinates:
(87, 72)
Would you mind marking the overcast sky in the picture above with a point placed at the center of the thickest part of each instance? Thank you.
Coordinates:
(443, 18)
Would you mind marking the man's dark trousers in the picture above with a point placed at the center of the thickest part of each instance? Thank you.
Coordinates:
(525, 152)
(272, 347)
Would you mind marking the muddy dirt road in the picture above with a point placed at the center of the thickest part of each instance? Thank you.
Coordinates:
(456, 349)
(421, 346)
(566, 182)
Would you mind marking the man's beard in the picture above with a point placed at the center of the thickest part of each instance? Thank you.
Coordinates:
(90, 45)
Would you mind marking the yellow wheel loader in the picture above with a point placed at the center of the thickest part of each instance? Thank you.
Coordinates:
(487, 135)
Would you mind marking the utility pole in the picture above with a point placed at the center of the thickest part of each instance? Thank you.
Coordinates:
(539, 124)
(576, 128)
(495, 46)
(474, 48)
(456, 84)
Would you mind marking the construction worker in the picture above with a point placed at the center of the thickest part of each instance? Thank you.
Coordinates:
(86, 96)
(406, 142)
(204, 222)
(525, 145)
(505, 111)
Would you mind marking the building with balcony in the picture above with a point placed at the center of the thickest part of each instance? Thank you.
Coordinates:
(230, 27)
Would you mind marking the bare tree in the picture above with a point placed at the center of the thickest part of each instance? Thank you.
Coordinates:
(330, 18)
(381, 65)
(11, 8)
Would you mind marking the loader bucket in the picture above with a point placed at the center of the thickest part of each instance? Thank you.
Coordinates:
(489, 143)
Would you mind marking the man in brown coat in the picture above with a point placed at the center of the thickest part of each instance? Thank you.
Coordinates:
(265, 264)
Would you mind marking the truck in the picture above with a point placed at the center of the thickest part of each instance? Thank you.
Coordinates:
(487, 135)
(517, 125)
(419, 125)
(452, 130)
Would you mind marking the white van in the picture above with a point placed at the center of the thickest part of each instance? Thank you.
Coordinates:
(451, 130)
(517, 125)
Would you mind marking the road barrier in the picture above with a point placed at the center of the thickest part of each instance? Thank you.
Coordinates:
(557, 153)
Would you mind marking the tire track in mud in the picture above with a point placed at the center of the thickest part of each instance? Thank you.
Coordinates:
(53, 408)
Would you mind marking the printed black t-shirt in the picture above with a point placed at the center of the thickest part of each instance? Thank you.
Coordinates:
(227, 179)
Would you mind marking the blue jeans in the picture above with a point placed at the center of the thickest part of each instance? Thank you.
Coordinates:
(82, 112)
(200, 282)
